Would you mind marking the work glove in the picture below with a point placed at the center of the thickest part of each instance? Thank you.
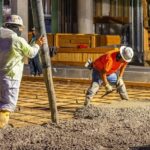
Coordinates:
(120, 82)
(108, 88)
(41, 40)
(89, 64)
(121, 89)
(4, 118)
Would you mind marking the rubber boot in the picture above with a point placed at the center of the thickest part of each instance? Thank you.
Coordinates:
(4, 118)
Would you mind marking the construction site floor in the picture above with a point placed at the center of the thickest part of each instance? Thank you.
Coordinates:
(33, 105)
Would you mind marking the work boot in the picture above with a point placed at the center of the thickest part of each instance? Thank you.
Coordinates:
(87, 101)
(4, 118)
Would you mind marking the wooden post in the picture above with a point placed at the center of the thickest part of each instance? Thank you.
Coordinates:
(38, 20)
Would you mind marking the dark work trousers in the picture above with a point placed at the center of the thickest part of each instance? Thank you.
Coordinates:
(35, 66)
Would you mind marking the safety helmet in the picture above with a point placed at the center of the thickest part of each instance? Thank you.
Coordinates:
(14, 19)
(126, 53)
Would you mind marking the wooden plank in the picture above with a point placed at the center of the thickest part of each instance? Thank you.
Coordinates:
(106, 40)
(145, 13)
(50, 38)
(146, 40)
(87, 50)
(72, 40)
(68, 63)
(75, 40)
(89, 40)
(74, 57)
(95, 40)
(147, 56)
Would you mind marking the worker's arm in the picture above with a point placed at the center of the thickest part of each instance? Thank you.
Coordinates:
(107, 67)
(121, 73)
(108, 87)
(104, 77)
(122, 69)
(28, 50)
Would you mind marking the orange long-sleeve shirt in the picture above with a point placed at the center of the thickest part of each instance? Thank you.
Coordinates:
(108, 63)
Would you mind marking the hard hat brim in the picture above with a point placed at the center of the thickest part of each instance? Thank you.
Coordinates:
(13, 23)
(121, 53)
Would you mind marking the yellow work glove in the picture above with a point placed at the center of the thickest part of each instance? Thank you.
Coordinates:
(4, 118)
(108, 88)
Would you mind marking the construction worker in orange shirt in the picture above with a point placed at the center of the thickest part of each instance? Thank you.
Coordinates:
(105, 72)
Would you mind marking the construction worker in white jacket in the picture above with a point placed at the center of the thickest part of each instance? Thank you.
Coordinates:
(13, 50)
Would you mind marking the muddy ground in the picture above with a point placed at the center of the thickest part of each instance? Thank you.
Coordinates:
(106, 127)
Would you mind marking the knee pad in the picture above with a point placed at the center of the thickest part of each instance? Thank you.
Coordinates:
(93, 89)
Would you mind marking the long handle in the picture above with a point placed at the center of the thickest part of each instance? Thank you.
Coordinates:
(115, 89)
(39, 24)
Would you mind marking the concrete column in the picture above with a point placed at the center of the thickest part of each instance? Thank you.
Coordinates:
(20, 7)
(85, 16)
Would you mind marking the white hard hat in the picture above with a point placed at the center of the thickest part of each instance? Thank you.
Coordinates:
(14, 19)
(126, 53)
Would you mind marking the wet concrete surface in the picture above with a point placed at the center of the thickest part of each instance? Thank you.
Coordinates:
(105, 127)
(107, 124)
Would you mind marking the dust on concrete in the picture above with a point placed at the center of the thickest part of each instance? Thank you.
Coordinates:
(120, 126)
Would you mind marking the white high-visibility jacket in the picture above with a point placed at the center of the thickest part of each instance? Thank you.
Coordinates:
(13, 49)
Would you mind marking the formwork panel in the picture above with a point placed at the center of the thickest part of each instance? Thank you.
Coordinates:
(72, 40)
(106, 40)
